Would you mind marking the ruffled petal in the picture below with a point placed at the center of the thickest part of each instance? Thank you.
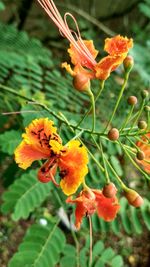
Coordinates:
(73, 167)
(118, 45)
(77, 58)
(25, 154)
(107, 65)
(68, 68)
(40, 141)
(107, 208)
(85, 205)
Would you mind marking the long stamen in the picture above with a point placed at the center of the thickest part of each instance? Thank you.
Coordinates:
(64, 29)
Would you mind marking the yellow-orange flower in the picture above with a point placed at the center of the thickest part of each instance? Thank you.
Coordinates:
(83, 52)
(73, 167)
(117, 48)
(41, 141)
(144, 146)
(36, 144)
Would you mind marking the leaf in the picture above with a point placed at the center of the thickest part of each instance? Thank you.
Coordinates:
(2, 6)
(67, 260)
(25, 195)
(43, 254)
(116, 164)
(9, 141)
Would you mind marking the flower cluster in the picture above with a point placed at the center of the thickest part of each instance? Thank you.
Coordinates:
(42, 142)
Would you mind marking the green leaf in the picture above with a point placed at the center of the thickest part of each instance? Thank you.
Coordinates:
(45, 254)
(116, 164)
(25, 195)
(9, 141)
(2, 6)
(67, 260)
(117, 261)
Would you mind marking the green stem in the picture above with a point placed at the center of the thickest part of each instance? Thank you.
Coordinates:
(59, 118)
(127, 119)
(124, 187)
(102, 153)
(132, 160)
(89, 110)
(92, 156)
(112, 169)
(91, 241)
(118, 100)
(93, 109)
(138, 115)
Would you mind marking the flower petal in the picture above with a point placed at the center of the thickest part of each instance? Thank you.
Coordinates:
(77, 58)
(25, 154)
(107, 65)
(73, 167)
(36, 142)
(107, 208)
(118, 45)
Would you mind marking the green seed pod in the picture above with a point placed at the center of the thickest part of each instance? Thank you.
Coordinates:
(140, 155)
(145, 94)
(142, 125)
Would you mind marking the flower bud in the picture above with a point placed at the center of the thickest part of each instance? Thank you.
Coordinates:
(109, 190)
(145, 94)
(128, 63)
(140, 155)
(81, 82)
(133, 198)
(147, 108)
(132, 100)
(113, 134)
(142, 125)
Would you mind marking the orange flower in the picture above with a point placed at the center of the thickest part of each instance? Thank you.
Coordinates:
(41, 141)
(83, 52)
(73, 167)
(36, 144)
(144, 146)
(93, 200)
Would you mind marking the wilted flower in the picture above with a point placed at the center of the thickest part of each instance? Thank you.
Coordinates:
(91, 201)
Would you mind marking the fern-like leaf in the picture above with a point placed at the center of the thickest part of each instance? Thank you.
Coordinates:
(25, 195)
(41, 247)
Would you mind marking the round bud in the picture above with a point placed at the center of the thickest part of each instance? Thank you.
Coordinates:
(132, 100)
(109, 190)
(147, 108)
(113, 134)
(81, 82)
(144, 94)
(128, 63)
(142, 125)
(140, 155)
(133, 198)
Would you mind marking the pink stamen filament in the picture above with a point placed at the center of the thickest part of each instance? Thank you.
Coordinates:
(54, 14)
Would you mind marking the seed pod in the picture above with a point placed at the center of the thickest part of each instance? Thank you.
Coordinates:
(145, 94)
(128, 63)
(133, 198)
(140, 155)
(113, 134)
(132, 100)
(142, 125)
(81, 82)
(109, 190)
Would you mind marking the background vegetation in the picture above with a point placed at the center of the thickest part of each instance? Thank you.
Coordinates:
(33, 229)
